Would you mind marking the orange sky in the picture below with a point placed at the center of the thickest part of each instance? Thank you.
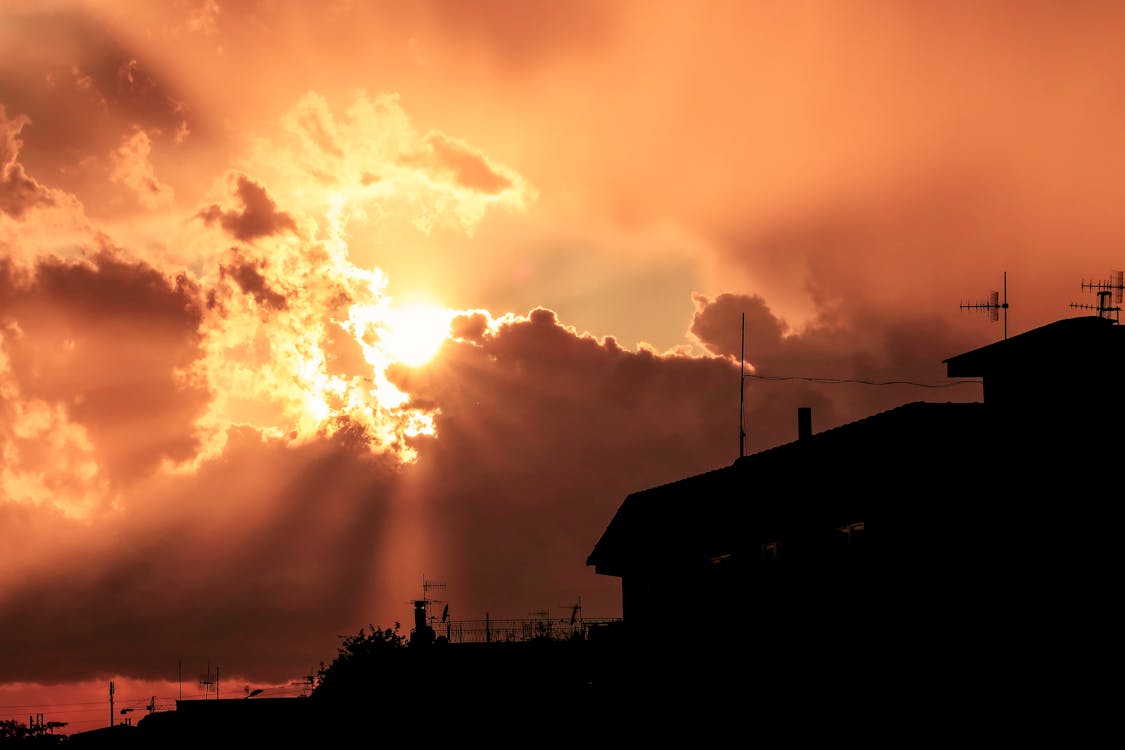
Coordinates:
(233, 236)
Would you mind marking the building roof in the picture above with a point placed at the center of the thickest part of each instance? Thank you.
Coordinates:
(1068, 341)
(830, 476)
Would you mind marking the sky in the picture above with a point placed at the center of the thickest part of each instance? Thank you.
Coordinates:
(303, 303)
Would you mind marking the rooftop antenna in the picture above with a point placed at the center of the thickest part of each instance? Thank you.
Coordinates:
(993, 306)
(305, 682)
(1113, 287)
(207, 682)
(742, 393)
(576, 613)
(426, 586)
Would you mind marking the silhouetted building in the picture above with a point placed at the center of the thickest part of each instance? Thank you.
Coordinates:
(253, 722)
(994, 540)
(117, 736)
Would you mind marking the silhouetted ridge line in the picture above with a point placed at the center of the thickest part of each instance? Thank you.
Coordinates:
(832, 381)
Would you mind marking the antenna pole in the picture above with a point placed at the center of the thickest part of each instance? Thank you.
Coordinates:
(994, 306)
(742, 393)
(1005, 305)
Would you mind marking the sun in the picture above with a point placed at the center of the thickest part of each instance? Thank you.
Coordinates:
(412, 335)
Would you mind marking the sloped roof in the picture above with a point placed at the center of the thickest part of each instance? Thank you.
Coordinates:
(1068, 342)
(830, 476)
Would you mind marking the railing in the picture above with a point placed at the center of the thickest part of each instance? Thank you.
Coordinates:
(501, 631)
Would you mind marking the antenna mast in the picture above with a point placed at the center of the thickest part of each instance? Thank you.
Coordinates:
(993, 306)
(742, 393)
(1114, 286)
(207, 682)
(426, 586)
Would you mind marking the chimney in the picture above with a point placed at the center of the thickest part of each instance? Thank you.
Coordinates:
(804, 422)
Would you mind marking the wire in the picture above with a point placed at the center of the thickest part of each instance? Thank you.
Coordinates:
(834, 381)
(51, 705)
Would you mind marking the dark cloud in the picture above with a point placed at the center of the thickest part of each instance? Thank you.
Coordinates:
(248, 276)
(860, 344)
(258, 217)
(83, 86)
(541, 433)
(18, 191)
(255, 563)
(711, 324)
(471, 326)
(110, 339)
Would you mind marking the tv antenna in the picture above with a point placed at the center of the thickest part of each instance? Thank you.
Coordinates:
(993, 306)
(426, 587)
(1113, 287)
(305, 682)
(575, 613)
(207, 682)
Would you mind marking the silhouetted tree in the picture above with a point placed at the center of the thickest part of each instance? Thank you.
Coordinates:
(363, 664)
(13, 732)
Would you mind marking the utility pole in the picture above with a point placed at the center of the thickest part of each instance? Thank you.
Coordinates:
(111, 703)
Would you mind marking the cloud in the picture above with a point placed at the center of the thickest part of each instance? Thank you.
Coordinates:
(101, 346)
(203, 17)
(372, 159)
(257, 217)
(132, 168)
(540, 433)
(255, 563)
(859, 343)
(82, 83)
(522, 37)
(248, 275)
(450, 158)
(19, 193)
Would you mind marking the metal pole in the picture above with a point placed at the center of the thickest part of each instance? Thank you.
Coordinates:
(1005, 305)
(742, 393)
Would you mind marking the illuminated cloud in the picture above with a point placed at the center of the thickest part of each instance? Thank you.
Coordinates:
(372, 160)
(203, 16)
(18, 192)
(449, 159)
(132, 168)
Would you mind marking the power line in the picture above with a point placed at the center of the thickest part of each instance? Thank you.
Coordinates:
(39, 705)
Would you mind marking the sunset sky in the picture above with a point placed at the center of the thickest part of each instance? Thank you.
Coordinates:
(302, 302)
